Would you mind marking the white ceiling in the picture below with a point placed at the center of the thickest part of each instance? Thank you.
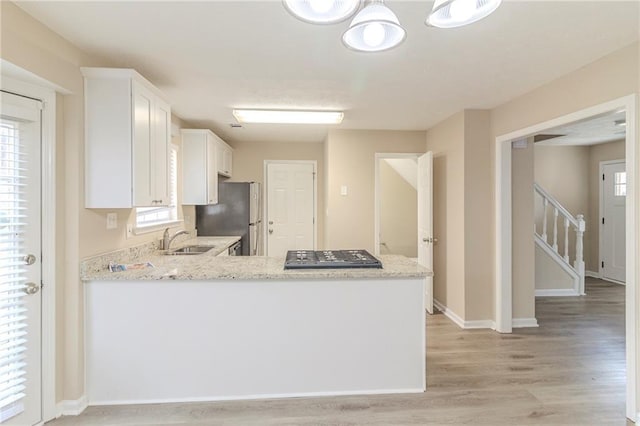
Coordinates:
(592, 131)
(209, 57)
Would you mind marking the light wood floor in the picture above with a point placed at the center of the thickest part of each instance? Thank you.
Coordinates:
(569, 371)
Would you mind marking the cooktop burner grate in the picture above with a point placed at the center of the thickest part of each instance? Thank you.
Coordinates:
(329, 259)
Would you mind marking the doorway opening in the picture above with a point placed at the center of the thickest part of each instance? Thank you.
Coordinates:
(397, 204)
(504, 220)
(403, 216)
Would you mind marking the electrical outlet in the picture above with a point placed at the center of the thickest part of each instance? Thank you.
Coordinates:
(112, 220)
(187, 220)
(129, 230)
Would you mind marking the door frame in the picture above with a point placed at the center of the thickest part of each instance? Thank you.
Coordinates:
(503, 216)
(601, 215)
(265, 203)
(48, 212)
(376, 214)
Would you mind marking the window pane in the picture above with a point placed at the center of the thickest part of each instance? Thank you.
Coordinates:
(149, 216)
(620, 177)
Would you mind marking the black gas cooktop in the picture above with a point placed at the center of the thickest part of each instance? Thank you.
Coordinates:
(326, 259)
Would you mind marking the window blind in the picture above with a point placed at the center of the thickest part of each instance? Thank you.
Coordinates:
(13, 277)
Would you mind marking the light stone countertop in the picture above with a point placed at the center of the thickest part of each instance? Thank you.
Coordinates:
(208, 266)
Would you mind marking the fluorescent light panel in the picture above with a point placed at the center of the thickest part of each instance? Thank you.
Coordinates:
(287, 117)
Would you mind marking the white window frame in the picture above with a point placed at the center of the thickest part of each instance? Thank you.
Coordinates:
(171, 210)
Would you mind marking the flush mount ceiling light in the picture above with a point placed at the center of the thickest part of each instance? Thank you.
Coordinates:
(322, 11)
(374, 29)
(456, 13)
(287, 117)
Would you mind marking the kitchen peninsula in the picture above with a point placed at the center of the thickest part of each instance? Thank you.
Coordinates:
(204, 327)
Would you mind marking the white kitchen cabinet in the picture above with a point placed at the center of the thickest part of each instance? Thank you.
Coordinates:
(127, 139)
(199, 167)
(225, 158)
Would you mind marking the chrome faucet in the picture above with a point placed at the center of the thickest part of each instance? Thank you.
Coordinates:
(167, 240)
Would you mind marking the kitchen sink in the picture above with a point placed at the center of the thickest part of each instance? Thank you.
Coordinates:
(190, 250)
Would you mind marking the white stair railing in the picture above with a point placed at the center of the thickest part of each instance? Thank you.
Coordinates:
(577, 224)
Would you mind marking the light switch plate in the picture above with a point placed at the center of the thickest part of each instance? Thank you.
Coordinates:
(112, 220)
(129, 230)
(343, 190)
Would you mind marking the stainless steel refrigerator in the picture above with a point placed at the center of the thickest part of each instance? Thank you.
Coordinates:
(238, 212)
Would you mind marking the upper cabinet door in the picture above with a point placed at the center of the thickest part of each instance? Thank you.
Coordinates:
(127, 128)
(212, 174)
(225, 155)
(199, 167)
(161, 148)
(143, 146)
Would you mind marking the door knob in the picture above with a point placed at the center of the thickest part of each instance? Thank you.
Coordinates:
(31, 288)
(29, 259)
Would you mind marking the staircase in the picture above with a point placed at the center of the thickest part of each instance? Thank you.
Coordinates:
(573, 227)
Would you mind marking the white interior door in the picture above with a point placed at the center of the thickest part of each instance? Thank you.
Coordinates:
(290, 207)
(20, 262)
(425, 221)
(614, 191)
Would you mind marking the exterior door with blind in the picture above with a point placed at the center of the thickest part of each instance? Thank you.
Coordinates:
(613, 234)
(20, 261)
(290, 207)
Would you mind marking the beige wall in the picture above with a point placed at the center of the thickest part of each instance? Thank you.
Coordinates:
(446, 141)
(461, 217)
(478, 221)
(350, 161)
(248, 166)
(598, 153)
(563, 171)
(398, 212)
(523, 246)
(548, 274)
(611, 77)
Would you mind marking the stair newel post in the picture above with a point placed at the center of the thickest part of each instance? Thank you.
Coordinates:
(555, 229)
(545, 202)
(566, 239)
(579, 262)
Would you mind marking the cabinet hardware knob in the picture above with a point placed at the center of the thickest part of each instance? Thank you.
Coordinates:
(29, 259)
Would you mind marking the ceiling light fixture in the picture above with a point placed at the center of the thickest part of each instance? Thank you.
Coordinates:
(374, 29)
(456, 13)
(287, 117)
(322, 11)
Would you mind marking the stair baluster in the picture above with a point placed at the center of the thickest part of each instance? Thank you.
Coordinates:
(555, 229)
(578, 225)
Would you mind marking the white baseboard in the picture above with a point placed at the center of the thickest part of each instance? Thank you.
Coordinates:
(546, 292)
(524, 322)
(591, 274)
(462, 323)
(71, 407)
